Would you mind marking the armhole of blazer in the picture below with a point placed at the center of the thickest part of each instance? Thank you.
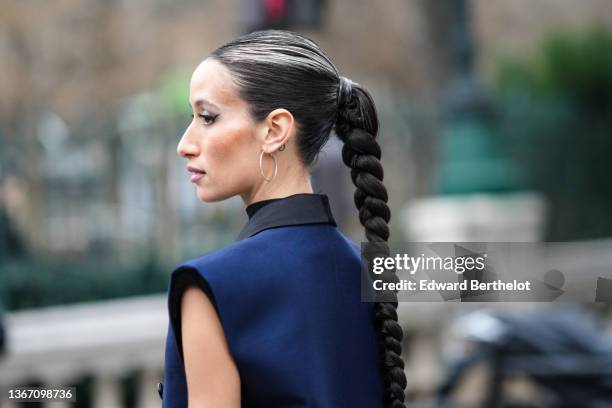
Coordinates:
(180, 280)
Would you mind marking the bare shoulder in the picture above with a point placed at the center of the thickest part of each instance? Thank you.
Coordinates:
(212, 376)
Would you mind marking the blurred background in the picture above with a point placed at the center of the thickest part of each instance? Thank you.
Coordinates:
(496, 125)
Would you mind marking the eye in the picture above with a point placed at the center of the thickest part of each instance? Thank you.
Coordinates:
(207, 119)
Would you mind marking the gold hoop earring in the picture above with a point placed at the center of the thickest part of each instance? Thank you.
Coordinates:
(280, 149)
(261, 167)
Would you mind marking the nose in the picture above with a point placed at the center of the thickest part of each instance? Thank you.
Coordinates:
(187, 147)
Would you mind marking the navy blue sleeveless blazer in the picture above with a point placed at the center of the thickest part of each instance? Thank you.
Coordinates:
(288, 295)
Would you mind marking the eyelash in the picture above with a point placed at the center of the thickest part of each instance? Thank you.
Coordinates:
(210, 118)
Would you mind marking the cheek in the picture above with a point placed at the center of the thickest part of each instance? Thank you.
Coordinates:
(231, 153)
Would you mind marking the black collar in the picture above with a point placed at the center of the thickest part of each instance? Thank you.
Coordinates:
(297, 209)
(253, 208)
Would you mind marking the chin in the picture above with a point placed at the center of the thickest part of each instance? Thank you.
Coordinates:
(208, 196)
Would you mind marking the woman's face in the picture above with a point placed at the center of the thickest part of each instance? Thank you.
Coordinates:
(220, 144)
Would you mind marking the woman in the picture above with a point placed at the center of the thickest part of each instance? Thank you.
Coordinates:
(276, 319)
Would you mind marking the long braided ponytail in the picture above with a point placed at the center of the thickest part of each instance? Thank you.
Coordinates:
(277, 68)
(357, 127)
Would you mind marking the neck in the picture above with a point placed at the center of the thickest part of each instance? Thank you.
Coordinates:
(295, 182)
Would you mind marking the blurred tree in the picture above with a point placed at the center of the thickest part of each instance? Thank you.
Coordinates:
(557, 110)
(569, 66)
(11, 242)
(23, 286)
(174, 93)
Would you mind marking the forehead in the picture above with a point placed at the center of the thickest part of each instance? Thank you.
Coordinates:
(211, 81)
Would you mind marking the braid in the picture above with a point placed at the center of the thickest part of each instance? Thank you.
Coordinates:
(357, 127)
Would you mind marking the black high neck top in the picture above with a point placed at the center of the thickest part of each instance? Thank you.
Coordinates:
(296, 209)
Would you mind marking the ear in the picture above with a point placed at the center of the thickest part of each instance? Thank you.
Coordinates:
(279, 127)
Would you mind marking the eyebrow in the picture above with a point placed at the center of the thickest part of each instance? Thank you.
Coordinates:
(204, 102)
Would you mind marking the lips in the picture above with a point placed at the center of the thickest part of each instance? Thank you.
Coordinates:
(196, 173)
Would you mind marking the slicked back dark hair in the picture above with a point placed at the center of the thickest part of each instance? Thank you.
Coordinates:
(282, 69)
